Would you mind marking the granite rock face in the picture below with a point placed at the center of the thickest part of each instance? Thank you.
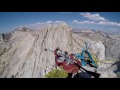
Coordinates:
(23, 56)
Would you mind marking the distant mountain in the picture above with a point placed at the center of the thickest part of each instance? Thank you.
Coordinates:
(111, 41)
(104, 31)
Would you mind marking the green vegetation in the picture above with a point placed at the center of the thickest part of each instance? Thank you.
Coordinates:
(56, 73)
(94, 58)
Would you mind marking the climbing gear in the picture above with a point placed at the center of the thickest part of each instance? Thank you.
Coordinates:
(106, 61)
(84, 59)
(73, 68)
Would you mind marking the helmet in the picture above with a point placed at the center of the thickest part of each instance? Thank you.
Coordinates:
(66, 52)
(57, 48)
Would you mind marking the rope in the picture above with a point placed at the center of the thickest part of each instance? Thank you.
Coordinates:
(105, 62)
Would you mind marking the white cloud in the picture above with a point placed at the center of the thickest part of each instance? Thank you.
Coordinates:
(114, 23)
(94, 17)
(109, 23)
(83, 22)
(54, 22)
(49, 22)
(98, 23)
(75, 21)
(58, 21)
(40, 25)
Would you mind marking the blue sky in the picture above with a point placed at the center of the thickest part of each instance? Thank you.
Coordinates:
(91, 20)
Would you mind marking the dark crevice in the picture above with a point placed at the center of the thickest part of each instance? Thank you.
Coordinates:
(33, 45)
(118, 68)
(12, 76)
(6, 36)
(31, 51)
(5, 51)
(44, 39)
(41, 50)
(43, 42)
(23, 65)
(16, 74)
(34, 66)
(54, 32)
